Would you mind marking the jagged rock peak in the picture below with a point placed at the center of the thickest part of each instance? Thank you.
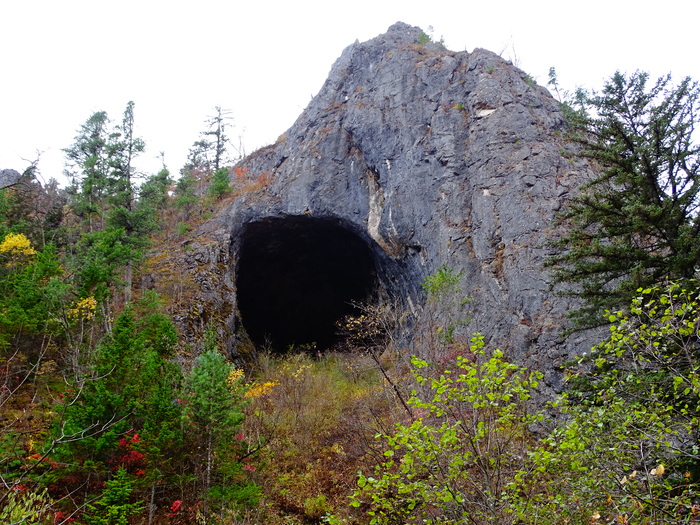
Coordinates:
(410, 157)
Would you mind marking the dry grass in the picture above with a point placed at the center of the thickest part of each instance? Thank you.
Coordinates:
(316, 420)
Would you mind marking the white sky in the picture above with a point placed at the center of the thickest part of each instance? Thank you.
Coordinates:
(62, 60)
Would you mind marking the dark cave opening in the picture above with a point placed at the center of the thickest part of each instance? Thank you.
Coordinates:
(297, 276)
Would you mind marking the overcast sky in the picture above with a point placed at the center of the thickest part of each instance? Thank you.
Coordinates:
(62, 60)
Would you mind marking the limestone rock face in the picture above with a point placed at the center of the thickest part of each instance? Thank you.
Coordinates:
(430, 158)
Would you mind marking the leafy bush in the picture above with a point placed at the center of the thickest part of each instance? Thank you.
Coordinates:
(25, 507)
(628, 451)
(463, 455)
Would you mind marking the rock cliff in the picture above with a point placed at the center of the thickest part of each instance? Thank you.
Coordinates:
(409, 158)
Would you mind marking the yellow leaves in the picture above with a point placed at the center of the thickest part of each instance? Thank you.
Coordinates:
(17, 247)
(16, 244)
(47, 367)
(234, 376)
(595, 516)
(300, 371)
(288, 369)
(261, 389)
(83, 309)
(338, 449)
(658, 471)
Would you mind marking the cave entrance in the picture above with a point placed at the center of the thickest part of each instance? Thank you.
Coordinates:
(297, 276)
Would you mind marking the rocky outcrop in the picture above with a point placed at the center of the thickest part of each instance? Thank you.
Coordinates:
(9, 178)
(430, 158)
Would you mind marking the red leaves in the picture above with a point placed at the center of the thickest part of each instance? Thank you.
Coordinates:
(62, 517)
(174, 508)
(128, 457)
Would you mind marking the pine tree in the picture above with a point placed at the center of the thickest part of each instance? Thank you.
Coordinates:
(153, 193)
(637, 223)
(136, 223)
(130, 377)
(185, 197)
(123, 150)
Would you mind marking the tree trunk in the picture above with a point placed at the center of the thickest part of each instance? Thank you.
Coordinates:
(152, 505)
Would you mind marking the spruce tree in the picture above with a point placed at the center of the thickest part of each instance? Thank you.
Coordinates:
(114, 507)
(153, 193)
(215, 402)
(220, 183)
(637, 223)
(101, 166)
(217, 131)
(209, 153)
(88, 168)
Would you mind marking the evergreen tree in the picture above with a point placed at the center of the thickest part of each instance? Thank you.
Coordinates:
(123, 150)
(102, 162)
(198, 156)
(209, 153)
(215, 408)
(32, 289)
(89, 168)
(135, 223)
(113, 508)
(130, 375)
(219, 140)
(637, 223)
(220, 183)
(185, 197)
(153, 193)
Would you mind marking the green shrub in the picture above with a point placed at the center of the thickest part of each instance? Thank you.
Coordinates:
(220, 183)
(423, 38)
(628, 450)
(182, 228)
(316, 507)
(26, 508)
(460, 459)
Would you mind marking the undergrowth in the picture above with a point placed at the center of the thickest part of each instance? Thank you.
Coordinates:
(316, 420)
